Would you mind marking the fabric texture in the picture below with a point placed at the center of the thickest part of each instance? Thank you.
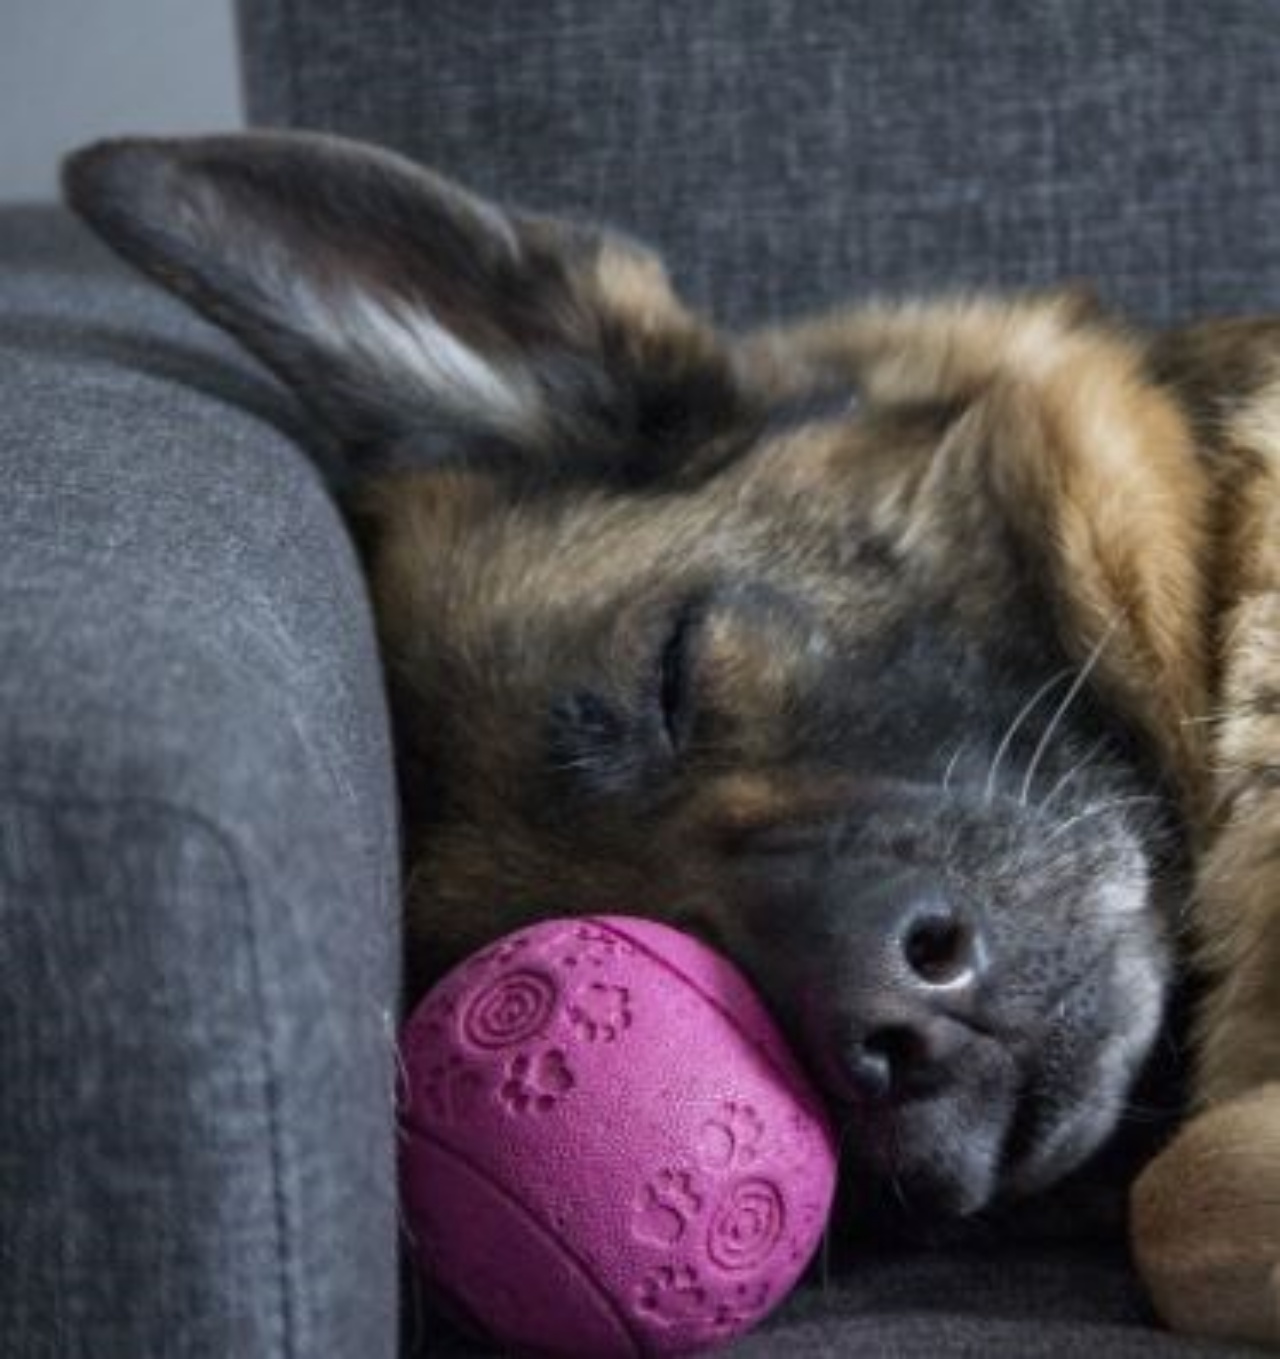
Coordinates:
(787, 155)
(198, 937)
(998, 1303)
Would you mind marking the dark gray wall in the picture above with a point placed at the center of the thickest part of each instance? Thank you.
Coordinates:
(71, 70)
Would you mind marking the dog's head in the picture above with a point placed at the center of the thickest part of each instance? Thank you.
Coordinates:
(864, 648)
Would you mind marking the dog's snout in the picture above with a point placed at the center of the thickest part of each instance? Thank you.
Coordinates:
(912, 1056)
(908, 986)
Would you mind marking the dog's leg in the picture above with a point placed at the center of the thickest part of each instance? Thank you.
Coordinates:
(1206, 1213)
(1206, 1222)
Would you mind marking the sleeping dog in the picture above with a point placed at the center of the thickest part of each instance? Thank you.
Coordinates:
(909, 654)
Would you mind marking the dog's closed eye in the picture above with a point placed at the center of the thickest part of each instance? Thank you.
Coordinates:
(626, 733)
(677, 696)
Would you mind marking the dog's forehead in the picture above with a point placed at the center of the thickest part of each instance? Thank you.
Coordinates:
(822, 501)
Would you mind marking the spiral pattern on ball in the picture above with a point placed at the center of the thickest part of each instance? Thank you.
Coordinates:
(510, 1010)
(748, 1224)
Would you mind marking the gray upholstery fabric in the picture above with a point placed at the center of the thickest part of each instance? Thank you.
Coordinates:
(787, 154)
(1024, 1303)
(1037, 1303)
(198, 967)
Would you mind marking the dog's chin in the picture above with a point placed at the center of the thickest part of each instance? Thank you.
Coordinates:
(936, 1159)
(942, 1159)
(1015, 1128)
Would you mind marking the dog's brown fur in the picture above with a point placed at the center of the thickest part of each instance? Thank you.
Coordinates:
(1097, 460)
(1092, 458)
(1136, 477)
(1206, 1229)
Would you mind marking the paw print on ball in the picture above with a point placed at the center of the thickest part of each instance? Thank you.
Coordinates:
(601, 1013)
(593, 946)
(667, 1205)
(451, 1090)
(673, 1296)
(536, 1084)
(733, 1139)
(743, 1306)
(499, 955)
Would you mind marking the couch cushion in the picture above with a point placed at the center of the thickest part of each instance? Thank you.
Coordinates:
(198, 898)
(1029, 1303)
(787, 154)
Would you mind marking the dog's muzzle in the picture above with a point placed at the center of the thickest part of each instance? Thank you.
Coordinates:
(906, 1005)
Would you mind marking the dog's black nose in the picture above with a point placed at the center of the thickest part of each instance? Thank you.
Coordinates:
(908, 985)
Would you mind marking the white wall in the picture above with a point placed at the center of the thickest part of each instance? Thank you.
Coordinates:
(72, 70)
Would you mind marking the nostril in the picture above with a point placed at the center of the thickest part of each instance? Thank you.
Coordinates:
(870, 1072)
(900, 1048)
(887, 1062)
(940, 950)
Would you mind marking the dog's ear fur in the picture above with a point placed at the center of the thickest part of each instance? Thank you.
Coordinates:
(387, 297)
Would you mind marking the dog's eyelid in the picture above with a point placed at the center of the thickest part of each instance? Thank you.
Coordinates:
(676, 664)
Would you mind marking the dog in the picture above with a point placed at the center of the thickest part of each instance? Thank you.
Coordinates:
(925, 657)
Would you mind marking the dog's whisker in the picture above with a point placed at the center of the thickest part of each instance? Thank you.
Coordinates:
(951, 766)
(1079, 767)
(399, 1081)
(1113, 805)
(895, 1181)
(899, 1193)
(1012, 730)
(1072, 694)
(949, 849)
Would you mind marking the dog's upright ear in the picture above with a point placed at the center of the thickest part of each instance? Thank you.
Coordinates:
(386, 296)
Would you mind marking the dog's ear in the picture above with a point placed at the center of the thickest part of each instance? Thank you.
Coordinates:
(388, 297)
(1219, 368)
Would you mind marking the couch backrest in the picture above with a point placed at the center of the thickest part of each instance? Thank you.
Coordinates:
(787, 154)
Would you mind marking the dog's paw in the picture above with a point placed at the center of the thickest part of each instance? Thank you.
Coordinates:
(1206, 1222)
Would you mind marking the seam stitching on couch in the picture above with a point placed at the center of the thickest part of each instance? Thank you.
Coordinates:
(287, 1321)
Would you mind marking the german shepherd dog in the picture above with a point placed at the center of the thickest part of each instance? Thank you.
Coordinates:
(925, 658)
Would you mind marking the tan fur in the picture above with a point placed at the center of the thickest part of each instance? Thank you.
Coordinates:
(1206, 1222)
(1238, 914)
(1089, 455)
(634, 286)
(1207, 1212)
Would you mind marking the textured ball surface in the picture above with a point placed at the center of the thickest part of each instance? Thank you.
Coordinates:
(608, 1148)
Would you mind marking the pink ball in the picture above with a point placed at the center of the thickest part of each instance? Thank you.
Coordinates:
(608, 1148)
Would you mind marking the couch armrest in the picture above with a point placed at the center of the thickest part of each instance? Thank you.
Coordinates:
(198, 938)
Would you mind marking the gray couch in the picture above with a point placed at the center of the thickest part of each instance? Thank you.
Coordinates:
(198, 860)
